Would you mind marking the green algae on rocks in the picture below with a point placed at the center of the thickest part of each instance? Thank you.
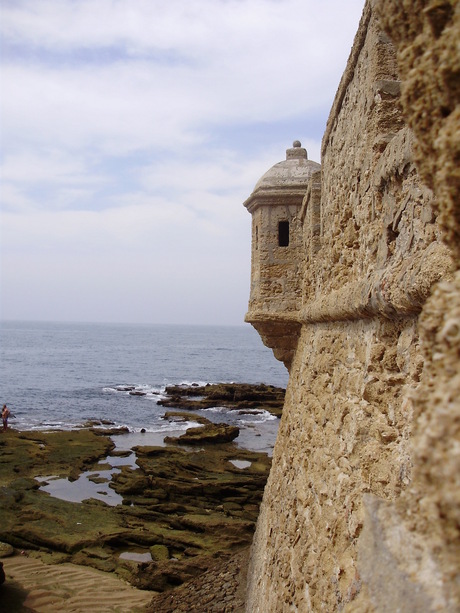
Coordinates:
(186, 507)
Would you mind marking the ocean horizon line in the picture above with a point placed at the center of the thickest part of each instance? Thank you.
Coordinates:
(243, 324)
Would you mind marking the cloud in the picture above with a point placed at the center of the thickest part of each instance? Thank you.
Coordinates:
(133, 130)
(168, 69)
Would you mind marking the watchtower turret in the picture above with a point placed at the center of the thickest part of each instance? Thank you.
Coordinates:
(276, 255)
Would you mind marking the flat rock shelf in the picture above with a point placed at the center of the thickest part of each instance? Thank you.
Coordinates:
(185, 508)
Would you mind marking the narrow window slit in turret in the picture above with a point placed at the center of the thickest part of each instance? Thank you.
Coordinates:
(283, 234)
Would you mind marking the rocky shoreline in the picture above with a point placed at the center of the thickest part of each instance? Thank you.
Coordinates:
(185, 505)
(234, 396)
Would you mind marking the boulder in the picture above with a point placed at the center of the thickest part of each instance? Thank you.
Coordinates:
(159, 552)
(206, 434)
(6, 550)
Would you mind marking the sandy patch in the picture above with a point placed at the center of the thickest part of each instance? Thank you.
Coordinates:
(36, 587)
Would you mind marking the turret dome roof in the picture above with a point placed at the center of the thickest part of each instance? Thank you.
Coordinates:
(294, 171)
(289, 176)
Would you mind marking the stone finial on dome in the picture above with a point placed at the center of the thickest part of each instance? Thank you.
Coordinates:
(296, 151)
(291, 176)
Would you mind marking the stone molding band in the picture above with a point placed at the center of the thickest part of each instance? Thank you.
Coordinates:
(381, 294)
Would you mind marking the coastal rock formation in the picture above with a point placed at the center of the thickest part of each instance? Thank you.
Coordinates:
(361, 511)
(234, 396)
(181, 508)
(219, 590)
(205, 434)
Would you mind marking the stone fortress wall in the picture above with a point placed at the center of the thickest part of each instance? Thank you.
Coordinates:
(361, 511)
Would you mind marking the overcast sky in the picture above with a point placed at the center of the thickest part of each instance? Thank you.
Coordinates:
(133, 130)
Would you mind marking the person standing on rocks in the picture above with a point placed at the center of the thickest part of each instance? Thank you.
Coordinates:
(5, 415)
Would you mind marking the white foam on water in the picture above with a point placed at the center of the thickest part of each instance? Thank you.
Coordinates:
(218, 410)
(136, 389)
(43, 426)
(187, 383)
(163, 428)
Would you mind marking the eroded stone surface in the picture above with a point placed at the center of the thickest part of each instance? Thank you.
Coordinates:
(372, 406)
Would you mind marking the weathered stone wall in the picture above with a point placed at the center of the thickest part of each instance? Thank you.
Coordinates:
(276, 269)
(361, 510)
(426, 35)
(422, 529)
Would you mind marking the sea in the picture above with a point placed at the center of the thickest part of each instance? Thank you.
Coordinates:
(63, 375)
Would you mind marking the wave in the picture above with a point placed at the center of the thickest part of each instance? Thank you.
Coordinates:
(159, 428)
(251, 416)
(43, 426)
(148, 390)
(142, 389)
(168, 426)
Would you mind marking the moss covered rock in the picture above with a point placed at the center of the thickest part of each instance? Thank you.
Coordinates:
(183, 506)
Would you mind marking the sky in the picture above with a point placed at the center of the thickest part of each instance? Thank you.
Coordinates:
(131, 133)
